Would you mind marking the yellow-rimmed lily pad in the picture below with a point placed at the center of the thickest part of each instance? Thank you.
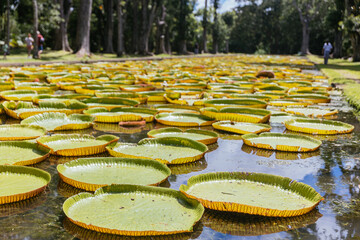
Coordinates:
(203, 136)
(176, 108)
(169, 150)
(282, 142)
(55, 121)
(252, 193)
(20, 183)
(93, 173)
(110, 103)
(238, 114)
(134, 210)
(22, 153)
(76, 144)
(184, 119)
(235, 102)
(241, 127)
(22, 110)
(116, 115)
(317, 126)
(311, 112)
(15, 132)
(288, 102)
(18, 95)
(310, 98)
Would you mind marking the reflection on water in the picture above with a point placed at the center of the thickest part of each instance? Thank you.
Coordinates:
(249, 225)
(278, 154)
(333, 171)
(85, 234)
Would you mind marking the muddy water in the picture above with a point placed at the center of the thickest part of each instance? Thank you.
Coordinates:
(332, 171)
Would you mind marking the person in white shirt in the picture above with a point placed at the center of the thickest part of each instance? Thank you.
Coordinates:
(326, 51)
(29, 44)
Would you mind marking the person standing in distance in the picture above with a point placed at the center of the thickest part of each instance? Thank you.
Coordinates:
(41, 41)
(29, 44)
(326, 51)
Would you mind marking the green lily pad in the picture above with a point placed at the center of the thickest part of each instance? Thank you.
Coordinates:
(22, 153)
(116, 115)
(93, 173)
(19, 183)
(55, 121)
(14, 132)
(252, 193)
(317, 126)
(235, 102)
(176, 108)
(203, 136)
(110, 103)
(184, 119)
(241, 127)
(134, 210)
(18, 95)
(76, 144)
(282, 142)
(169, 150)
(311, 112)
(238, 114)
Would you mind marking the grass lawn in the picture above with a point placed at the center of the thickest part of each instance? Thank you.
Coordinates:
(338, 70)
(20, 56)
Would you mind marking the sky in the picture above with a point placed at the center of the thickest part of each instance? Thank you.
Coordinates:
(225, 5)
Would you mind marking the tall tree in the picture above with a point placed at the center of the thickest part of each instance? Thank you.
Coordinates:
(352, 25)
(36, 27)
(83, 28)
(204, 23)
(215, 32)
(182, 26)
(109, 25)
(7, 22)
(306, 10)
(62, 42)
(120, 28)
(160, 31)
(335, 16)
(148, 11)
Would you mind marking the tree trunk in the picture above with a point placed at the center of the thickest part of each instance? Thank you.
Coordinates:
(204, 43)
(108, 6)
(215, 28)
(305, 38)
(338, 44)
(355, 43)
(36, 24)
(135, 28)
(83, 28)
(182, 28)
(62, 42)
(167, 40)
(227, 46)
(148, 16)
(120, 29)
(160, 36)
(7, 41)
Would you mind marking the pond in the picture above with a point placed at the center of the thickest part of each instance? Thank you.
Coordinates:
(332, 171)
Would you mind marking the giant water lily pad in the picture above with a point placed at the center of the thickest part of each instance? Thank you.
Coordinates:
(317, 126)
(169, 150)
(15, 132)
(311, 112)
(18, 95)
(203, 136)
(277, 118)
(173, 108)
(134, 210)
(238, 114)
(110, 103)
(184, 119)
(76, 144)
(241, 127)
(18, 183)
(233, 102)
(22, 110)
(93, 173)
(22, 153)
(252, 193)
(55, 121)
(116, 115)
(311, 98)
(282, 142)
(287, 102)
